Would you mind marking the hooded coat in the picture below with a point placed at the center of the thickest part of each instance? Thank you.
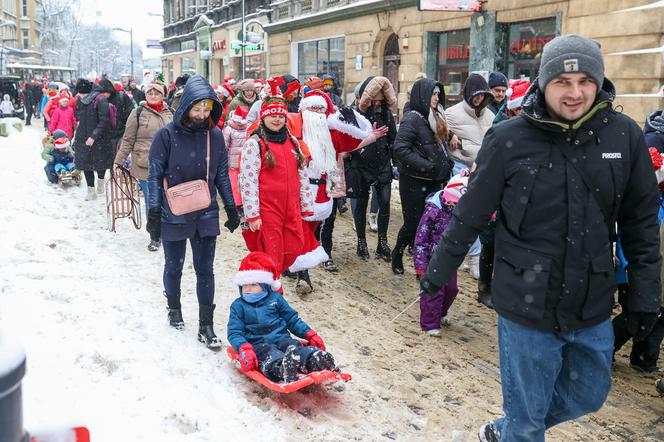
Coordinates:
(470, 124)
(178, 153)
(93, 121)
(554, 266)
(415, 150)
(654, 130)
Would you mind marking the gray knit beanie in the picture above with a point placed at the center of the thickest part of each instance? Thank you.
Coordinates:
(571, 53)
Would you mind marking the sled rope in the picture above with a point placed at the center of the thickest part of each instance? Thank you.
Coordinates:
(406, 309)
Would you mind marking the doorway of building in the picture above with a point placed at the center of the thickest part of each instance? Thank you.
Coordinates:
(391, 62)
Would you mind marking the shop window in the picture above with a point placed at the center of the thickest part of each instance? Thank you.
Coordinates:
(525, 42)
(317, 58)
(452, 63)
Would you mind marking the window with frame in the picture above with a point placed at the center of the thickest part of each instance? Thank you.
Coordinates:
(26, 39)
(25, 8)
(321, 57)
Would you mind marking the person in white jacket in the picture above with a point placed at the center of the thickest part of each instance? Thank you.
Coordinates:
(468, 121)
(6, 107)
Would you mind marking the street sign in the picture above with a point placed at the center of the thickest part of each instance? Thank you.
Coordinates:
(450, 5)
(153, 44)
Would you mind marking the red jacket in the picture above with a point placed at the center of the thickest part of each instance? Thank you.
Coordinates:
(64, 119)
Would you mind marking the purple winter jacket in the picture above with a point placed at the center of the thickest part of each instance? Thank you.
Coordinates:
(435, 219)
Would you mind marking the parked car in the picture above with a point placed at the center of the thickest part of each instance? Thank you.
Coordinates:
(9, 85)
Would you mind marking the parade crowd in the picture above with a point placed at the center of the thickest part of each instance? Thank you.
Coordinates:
(550, 197)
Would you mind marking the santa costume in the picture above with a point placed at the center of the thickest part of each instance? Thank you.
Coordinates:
(274, 189)
(235, 134)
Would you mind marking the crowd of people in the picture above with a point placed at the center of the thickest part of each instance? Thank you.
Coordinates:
(528, 185)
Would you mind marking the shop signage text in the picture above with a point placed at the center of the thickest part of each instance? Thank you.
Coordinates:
(218, 45)
(459, 52)
(532, 45)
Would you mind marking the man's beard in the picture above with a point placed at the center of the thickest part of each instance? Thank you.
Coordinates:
(316, 135)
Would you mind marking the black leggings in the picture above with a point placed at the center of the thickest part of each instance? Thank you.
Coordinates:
(326, 227)
(384, 192)
(413, 193)
(90, 176)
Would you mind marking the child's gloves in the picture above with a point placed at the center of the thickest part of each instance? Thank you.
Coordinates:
(248, 359)
(315, 340)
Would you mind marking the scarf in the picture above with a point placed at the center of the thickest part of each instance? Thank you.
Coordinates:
(157, 107)
(254, 297)
(278, 137)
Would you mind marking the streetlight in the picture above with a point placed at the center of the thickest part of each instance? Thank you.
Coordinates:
(131, 44)
(253, 21)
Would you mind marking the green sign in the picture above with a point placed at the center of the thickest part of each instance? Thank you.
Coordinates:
(237, 47)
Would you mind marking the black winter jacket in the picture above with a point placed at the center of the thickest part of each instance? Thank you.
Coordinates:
(554, 258)
(124, 105)
(415, 149)
(93, 121)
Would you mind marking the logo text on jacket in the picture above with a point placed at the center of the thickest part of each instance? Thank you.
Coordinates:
(612, 156)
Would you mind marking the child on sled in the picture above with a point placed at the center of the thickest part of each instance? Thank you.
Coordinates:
(435, 219)
(261, 323)
(48, 148)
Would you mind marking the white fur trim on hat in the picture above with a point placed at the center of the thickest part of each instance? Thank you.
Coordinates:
(516, 103)
(360, 133)
(309, 260)
(312, 101)
(244, 277)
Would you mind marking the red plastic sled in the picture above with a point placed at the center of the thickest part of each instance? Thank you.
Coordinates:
(317, 377)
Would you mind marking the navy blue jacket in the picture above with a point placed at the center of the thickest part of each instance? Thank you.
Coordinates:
(263, 322)
(62, 157)
(178, 153)
(654, 130)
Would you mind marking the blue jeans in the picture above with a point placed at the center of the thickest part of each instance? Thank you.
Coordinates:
(548, 378)
(143, 184)
(202, 250)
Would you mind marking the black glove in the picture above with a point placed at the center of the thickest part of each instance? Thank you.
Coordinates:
(640, 324)
(154, 224)
(233, 218)
(428, 287)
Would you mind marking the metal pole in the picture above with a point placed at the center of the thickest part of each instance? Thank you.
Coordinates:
(131, 45)
(244, 38)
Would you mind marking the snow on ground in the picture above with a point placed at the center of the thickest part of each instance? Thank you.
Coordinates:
(87, 306)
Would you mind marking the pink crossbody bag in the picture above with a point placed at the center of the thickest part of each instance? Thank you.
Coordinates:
(190, 196)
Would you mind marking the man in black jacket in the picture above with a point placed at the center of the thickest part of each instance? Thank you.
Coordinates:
(563, 174)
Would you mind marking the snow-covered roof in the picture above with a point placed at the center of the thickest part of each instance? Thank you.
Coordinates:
(39, 67)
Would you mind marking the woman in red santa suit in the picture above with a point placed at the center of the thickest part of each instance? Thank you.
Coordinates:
(275, 191)
(311, 128)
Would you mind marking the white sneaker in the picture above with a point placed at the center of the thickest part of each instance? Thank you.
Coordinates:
(435, 332)
(92, 195)
(373, 222)
(101, 185)
(445, 322)
(475, 266)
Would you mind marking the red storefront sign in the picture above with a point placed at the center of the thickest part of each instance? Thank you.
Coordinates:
(532, 45)
(218, 45)
(458, 52)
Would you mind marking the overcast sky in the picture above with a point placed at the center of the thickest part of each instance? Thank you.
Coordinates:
(128, 14)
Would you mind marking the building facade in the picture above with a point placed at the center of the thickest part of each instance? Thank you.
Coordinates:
(353, 39)
(21, 26)
(204, 37)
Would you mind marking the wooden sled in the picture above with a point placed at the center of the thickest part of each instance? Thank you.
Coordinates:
(318, 377)
(122, 198)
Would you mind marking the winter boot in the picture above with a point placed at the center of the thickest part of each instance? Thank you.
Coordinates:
(372, 220)
(362, 248)
(330, 266)
(289, 274)
(92, 195)
(101, 185)
(659, 385)
(290, 364)
(154, 246)
(475, 266)
(303, 285)
(383, 251)
(397, 261)
(174, 312)
(205, 332)
(488, 433)
(320, 360)
(484, 293)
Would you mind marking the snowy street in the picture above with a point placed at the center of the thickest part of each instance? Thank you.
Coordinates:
(87, 306)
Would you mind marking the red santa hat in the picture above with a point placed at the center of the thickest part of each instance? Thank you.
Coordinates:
(515, 93)
(118, 87)
(658, 164)
(61, 143)
(316, 98)
(229, 80)
(456, 187)
(274, 106)
(258, 268)
(240, 114)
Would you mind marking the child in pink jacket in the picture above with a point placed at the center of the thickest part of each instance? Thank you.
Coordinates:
(63, 118)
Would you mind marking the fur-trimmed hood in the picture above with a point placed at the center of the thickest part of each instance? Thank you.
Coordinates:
(374, 87)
